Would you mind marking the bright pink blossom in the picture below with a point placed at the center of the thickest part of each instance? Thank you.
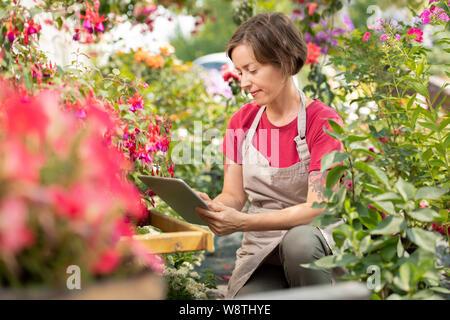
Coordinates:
(312, 6)
(107, 262)
(383, 37)
(14, 232)
(137, 102)
(313, 53)
(416, 34)
(228, 74)
(443, 17)
(366, 36)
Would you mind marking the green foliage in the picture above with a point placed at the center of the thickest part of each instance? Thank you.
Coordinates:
(212, 37)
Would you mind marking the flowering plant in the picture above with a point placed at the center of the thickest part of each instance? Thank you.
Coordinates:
(394, 167)
(64, 193)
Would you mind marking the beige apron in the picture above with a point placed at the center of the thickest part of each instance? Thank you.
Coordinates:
(269, 189)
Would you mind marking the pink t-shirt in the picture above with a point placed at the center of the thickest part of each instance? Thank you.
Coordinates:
(269, 137)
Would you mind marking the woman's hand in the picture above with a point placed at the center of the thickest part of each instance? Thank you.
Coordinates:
(203, 195)
(222, 220)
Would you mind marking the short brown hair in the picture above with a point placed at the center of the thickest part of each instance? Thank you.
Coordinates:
(274, 39)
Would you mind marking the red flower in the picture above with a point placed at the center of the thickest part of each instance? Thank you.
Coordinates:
(384, 140)
(107, 263)
(14, 233)
(312, 6)
(416, 34)
(228, 74)
(313, 53)
(366, 36)
(137, 102)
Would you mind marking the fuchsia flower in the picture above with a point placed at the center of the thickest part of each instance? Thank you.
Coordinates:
(416, 34)
(107, 262)
(14, 232)
(383, 37)
(366, 36)
(137, 102)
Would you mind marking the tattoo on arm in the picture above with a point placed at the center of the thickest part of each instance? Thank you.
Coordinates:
(317, 181)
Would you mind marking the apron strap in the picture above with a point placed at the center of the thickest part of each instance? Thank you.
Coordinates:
(300, 140)
(252, 130)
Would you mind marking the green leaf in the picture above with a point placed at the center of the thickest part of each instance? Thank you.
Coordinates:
(440, 290)
(333, 134)
(323, 263)
(385, 206)
(427, 154)
(405, 276)
(387, 196)
(390, 225)
(336, 127)
(424, 215)
(430, 193)
(352, 138)
(369, 153)
(424, 239)
(406, 189)
(388, 253)
(443, 124)
(332, 158)
(421, 88)
(116, 71)
(400, 249)
(334, 175)
(373, 171)
(432, 126)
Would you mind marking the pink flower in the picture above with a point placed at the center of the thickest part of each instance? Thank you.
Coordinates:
(153, 261)
(14, 233)
(137, 102)
(383, 37)
(440, 228)
(398, 37)
(312, 6)
(416, 34)
(425, 16)
(443, 17)
(366, 36)
(313, 53)
(228, 74)
(384, 140)
(107, 262)
(349, 185)
(424, 204)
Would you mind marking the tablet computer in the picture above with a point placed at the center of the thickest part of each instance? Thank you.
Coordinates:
(178, 195)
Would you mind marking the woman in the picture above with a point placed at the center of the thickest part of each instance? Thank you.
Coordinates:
(273, 150)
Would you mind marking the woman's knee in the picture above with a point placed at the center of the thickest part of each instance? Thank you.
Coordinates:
(302, 244)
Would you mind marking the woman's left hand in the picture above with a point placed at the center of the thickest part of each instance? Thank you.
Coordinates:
(223, 220)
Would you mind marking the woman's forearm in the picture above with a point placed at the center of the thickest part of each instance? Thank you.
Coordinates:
(230, 200)
(285, 219)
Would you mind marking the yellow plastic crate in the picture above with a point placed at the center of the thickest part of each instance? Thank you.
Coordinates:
(178, 236)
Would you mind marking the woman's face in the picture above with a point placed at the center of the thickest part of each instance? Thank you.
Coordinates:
(263, 81)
